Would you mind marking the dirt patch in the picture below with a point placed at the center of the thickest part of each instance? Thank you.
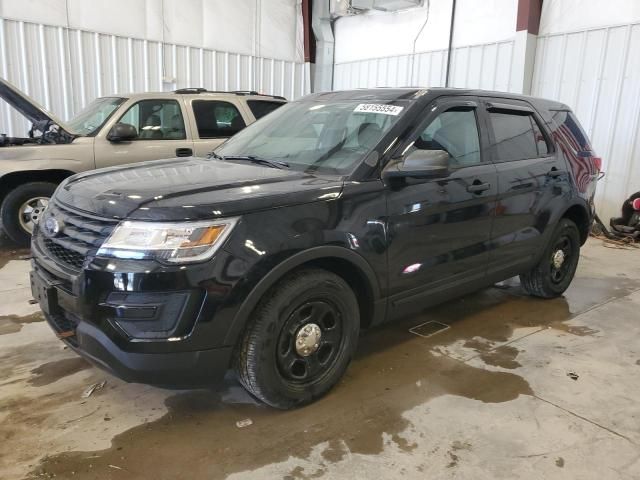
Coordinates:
(50, 372)
(13, 323)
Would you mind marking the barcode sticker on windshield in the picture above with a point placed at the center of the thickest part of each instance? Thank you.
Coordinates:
(379, 108)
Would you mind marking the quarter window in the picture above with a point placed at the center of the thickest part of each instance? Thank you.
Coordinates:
(217, 119)
(156, 120)
(456, 132)
(517, 136)
(260, 108)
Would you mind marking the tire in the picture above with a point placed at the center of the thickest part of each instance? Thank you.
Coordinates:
(13, 203)
(547, 279)
(267, 361)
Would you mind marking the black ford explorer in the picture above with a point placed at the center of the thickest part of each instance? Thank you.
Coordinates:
(334, 213)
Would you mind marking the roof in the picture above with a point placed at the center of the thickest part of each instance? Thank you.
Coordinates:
(413, 93)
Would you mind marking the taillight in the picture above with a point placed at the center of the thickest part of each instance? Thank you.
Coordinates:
(597, 163)
(636, 204)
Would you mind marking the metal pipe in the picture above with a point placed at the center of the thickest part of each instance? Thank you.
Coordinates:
(453, 19)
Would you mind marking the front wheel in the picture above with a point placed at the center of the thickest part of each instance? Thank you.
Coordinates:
(301, 339)
(22, 208)
(553, 274)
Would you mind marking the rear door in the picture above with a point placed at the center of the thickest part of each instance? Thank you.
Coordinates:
(439, 228)
(162, 133)
(213, 122)
(530, 181)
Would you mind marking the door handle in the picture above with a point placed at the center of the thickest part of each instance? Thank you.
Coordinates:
(554, 172)
(184, 152)
(477, 187)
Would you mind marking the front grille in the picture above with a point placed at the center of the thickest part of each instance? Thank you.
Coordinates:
(80, 235)
(69, 257)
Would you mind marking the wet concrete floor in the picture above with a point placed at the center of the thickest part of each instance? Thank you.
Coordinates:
(502, 386)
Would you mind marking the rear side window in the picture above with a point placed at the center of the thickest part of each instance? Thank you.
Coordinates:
(517, 136)
(570, 129)
(260, 108)
(216, 119)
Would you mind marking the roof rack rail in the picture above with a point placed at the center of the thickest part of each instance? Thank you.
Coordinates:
(190, 90)
(198, 90)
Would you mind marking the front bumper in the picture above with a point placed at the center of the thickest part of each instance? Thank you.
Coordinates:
(107, 313)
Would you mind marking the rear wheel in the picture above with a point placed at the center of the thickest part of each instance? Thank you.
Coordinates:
(22, 208)
(300, 340)
(553, 274)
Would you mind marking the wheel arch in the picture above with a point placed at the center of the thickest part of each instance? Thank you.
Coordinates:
(12, 180)
(579, 215)
(350, 266)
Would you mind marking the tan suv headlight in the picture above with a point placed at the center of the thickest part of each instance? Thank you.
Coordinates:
(179, 242)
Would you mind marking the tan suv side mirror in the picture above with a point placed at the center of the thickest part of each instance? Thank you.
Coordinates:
(122, 132)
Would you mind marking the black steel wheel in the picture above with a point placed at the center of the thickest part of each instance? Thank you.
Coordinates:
(300, 340)
(554, 272)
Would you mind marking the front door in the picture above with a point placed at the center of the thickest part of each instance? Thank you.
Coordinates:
(439, 229)
(161, 130)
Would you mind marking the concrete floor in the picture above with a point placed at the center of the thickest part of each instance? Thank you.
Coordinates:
(515, 388)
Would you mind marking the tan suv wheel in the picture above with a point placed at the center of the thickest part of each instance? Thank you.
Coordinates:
(22, 208)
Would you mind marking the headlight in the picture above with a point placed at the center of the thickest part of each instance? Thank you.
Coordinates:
(169, 242)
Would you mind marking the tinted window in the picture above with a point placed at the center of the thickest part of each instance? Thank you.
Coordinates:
(260, 108)
(541, 142)
(456, 132)
(156, 120)
(217, 119)
(571, 129)
(514, 136)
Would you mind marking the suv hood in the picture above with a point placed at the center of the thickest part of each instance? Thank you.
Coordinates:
(33, 111)
(191, 189)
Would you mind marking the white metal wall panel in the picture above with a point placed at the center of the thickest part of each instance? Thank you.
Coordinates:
(485, 66)
(65, 69)
(596, 72)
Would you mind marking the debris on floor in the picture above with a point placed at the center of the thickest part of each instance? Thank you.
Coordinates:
(244, 423)
(93, 388)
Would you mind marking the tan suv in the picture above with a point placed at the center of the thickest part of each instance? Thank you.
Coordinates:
(111, 131)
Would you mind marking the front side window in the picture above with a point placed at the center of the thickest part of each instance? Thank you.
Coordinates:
(330, 136)
(94, 115)
(156, 120)
(217, 119)
(517, 136)
(454, 131)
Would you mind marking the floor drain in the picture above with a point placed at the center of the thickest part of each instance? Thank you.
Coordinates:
(428, 329)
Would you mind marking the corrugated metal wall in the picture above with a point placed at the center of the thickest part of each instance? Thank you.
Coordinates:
(597, 73)
(485, 66)
(64, 69)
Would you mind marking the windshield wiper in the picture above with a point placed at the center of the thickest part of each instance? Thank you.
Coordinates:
(256, 160)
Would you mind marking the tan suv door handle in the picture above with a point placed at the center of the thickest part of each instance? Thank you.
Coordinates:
(184, 152)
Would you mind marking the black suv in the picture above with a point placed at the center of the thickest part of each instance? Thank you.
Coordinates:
(334, 213)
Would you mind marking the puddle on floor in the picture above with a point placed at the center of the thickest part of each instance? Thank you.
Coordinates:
(14, 323)
(393, 372)
(51, 372)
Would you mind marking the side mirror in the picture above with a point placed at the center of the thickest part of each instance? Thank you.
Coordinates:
(421, 164)
(122, 132)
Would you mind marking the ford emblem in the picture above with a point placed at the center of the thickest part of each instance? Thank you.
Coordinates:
(51, 226)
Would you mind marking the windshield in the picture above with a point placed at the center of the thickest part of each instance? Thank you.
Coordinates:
(91, 119)
(311, 136)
